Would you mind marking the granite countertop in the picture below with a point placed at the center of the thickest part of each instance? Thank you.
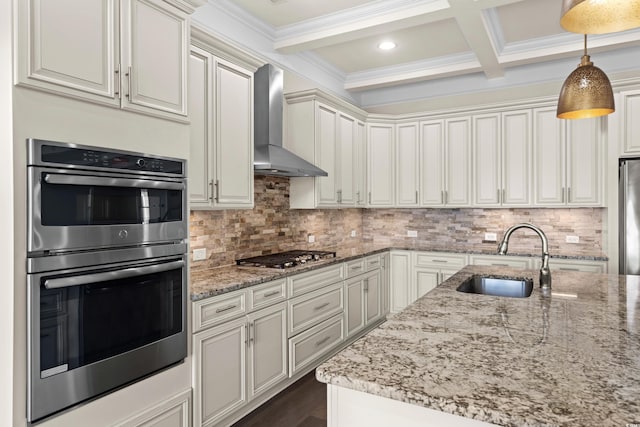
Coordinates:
(569, 360)
(214, 281)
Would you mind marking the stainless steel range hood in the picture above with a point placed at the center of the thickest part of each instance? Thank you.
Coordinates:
(270, 158)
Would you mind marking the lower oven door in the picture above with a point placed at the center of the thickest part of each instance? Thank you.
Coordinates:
(92, 330)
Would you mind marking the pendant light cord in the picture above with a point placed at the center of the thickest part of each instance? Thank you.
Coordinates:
(585, 45)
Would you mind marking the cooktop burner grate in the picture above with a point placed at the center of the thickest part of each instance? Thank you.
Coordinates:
(285, 259)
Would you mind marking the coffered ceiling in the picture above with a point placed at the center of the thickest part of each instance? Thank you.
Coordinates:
(436, 39)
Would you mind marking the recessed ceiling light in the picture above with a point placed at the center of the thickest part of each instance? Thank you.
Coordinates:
(388, 45)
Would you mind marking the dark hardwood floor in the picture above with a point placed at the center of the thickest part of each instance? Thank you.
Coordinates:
(303, 404)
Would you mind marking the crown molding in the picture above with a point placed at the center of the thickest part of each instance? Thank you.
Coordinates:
(188, 6)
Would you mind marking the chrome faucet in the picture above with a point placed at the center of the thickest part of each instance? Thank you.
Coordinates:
(545, 273)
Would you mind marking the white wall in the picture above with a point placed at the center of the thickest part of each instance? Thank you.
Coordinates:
(41, 115)
(6, 216)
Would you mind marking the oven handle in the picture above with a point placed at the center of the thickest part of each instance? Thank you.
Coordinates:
(65, 282)
(110, 182)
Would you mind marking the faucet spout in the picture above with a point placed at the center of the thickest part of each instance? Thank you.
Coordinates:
(545, 273)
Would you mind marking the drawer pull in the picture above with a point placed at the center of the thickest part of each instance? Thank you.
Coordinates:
(374, 262)
(500, 265)
(356, 267)
(270, 294)
(568, 269)
(227, 308)
(321, 306)
(322, 341)
(442, 261)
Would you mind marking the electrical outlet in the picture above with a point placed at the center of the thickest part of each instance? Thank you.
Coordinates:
(490, 237)
(199, 254)
(572, 239)
(311, 238)
(353, 233)
(412, 233)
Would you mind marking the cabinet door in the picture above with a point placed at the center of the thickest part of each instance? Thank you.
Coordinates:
(267, 348)
(234, 136)
(426, 280)
(360, 165)
(155, 78)
(487, 160)
(516, 158)
(355, 309)
(400, 281)
(631, 124)
(548, 157)
(372, 296)
(70, 47)
(431, 163)
(458, 162)
(326, 153)
(407, 165)
(347, 160)
(220, 371)
(384, 283)
(380, 168)
(584, 162)
(201, 130)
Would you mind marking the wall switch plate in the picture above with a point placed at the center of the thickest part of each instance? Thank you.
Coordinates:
(412, 233)
(311, 238)
(199, 254)
(572, 239)
(490, 237)
(353, 233)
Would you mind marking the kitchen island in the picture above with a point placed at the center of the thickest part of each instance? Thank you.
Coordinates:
(453, 358)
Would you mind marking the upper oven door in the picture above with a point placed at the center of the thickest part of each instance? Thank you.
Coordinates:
(75, 210)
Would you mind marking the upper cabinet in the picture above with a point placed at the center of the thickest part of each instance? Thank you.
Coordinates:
(130, 54)
(630, 132)
(327, 135)
(568, 160)
(445, 162)
(380, 165)
(221, 133)
(407, 164)
(502, 159)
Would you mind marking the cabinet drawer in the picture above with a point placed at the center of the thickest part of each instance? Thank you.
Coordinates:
(355, 267)
(500, 261)
(307, 347)
(266, 294)
(429, 259)
(307, 310)
(372, 262)
(316, 279)
(214, 310)
(574, 265)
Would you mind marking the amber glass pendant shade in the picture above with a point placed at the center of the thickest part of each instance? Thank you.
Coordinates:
(586, 92)
(599, 16)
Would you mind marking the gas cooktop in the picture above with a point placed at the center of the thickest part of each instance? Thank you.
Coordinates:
(285, 259)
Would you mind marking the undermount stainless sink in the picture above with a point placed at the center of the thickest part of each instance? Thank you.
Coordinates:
(497, 286)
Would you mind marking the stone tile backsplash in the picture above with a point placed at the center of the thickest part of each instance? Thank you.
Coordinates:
(272, 227)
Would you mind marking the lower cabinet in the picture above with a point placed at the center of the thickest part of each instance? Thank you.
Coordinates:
(173, 412)
(363, 295)
(501, 261)
(237, 361)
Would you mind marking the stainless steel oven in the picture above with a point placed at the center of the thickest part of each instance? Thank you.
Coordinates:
(83, 197)
(106, 272)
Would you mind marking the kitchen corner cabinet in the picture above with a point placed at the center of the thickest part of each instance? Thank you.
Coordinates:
(502, 159)
(221, 133)
(107, 52)
(445, 162)
(568, 160)
(332, 140)
(380, 165)
(237, 361)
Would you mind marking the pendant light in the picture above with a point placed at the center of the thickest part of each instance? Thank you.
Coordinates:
(599, 16)
(586, 92)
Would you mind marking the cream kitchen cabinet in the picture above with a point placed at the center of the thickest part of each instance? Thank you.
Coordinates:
(630, 109)
(400, 283)
(221, 133)
(363, 295)
(407, 164)
(173, 412)
(237, 361)
(502, 261)
(445, 162)
(360, 186)
(331, 139)
(502, 159)
(562, 264)
(568, 160)
(380, 165)
(106, 51)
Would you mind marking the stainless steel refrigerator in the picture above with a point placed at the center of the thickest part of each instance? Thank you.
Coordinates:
(629, 225)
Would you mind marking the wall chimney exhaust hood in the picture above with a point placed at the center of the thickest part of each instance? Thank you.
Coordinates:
(270, 158)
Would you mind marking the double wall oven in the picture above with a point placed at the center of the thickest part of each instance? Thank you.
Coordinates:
(106, 271)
